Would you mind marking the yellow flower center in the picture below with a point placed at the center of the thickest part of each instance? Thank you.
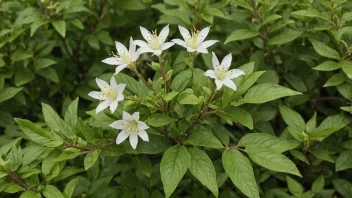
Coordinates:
(132, 127)
(221, 73)
(108, 93)
(153, 40)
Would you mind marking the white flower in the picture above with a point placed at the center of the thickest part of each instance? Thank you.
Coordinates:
(110, 94)
(222, 74)
(195, 43)
(124, 57)
(130, 126)
(155, 43)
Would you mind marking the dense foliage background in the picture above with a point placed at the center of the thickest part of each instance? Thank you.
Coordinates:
(51, 53)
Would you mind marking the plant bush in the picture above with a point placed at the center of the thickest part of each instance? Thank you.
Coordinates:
(254, 101)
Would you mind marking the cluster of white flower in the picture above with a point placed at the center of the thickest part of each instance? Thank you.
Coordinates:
(130, 125)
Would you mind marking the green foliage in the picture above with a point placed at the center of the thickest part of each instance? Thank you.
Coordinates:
(284, 132)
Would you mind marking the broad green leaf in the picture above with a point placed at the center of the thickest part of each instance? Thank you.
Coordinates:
(294, 187)
(318, 184)
(335, 80)
(23, 77)
(181, 80)
(32, 153)
(174, 164)
(324, 50)
(157, 144)
(312, 123)
(344, 161)
(292, 118)
(347, 68)
(221, 133)
(15, 156)
(296, 82)
(241, 34)
(266, 92)
(322, 154)
(21, 54)
(86, 131)
(169, 96)
(272, 18)
(60, 27)
(267, 140)
(327, 66)
(133, 85)
(295, 133)
(144, 164)
(270, 159)
(30, 194)
(36, 25)
(50, 74)
(51, 191)
(309, 13)
(202, 136)
(70, 187)
(240, 170)
(12, 188)
(68, 172)
(91, 158)
(237, 114)
(159, 119)
(71, 113)
(299, 155)
(41, 63)
(8, 93)
(343, 187)
(330, 125)
(203, 169)
(345, 89)
(286, 36)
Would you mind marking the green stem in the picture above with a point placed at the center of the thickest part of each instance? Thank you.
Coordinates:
(141, 77)
(166, 87)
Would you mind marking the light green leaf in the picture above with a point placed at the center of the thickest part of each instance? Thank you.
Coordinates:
(294, 187)
(159, 119)
(272, 18)
(60, 27)
(181, 80)
(50, 74)
(344, 161)
(30, 194)
(202, 136)
(309, 13)
(240, 170)
(324, 50)
(318, 184)
(270, 159)
(36, 25)
(343, 187)
(299, 155)
(241, 34)
(91, 158)
(322, 154)
(327, 66)
(286, 36)
(335, 80)
(347, 68)
(312, 123)
(174, 164)
(71, 113)
(330, 125)
(292, 118)
(266, 92)
(51, 191)
(21, 54)
(41, 63)
(237, 114)
(8, 93)
(70, 187)
(203, 169)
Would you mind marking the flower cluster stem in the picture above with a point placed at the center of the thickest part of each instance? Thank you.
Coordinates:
(142, 78)
(163, 74)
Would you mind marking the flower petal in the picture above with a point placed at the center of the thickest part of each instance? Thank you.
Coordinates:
(95, 94)
(126, 116)
(184, 32)
(218, 83)
(208, 43)
(210, 73)
(121, 137)
(202, 50)
(120, 87)
(179, 42)
(113, 106)
(142, 125)
(145, 33)
(119, 124)
(226, 62)
(101, 84)
(157, 52)
(163, 34)
(146, 49)
(120, 97)
(144, 135)
(167, 45)
(134, 140)
(140, 43)
(120, 68)
(202, 34)
(190, 49)
(132, 47)
(111, 61)
(234, 73)
(135, 115)
(103, 105)
(113, 82)
(121, 49)
(215, 61)
(229, 83)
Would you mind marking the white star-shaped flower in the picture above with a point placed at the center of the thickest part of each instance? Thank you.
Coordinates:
(155, 43)
(124, 58)
(195, 42)
(130, 126)
(222, 74)
(110, 94)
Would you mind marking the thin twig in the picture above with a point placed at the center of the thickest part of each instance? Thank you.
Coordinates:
(21, 182)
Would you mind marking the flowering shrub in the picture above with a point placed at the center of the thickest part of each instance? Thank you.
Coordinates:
(271, 119)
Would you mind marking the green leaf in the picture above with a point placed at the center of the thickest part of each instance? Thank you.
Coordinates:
(327, 66)
(266, 92)
(60, 27)
(296, 82)
(299, 155)
(36, 25)
(330, 125)
(240, 170)
(286, 36)
(292, 118)
(203, 169)
(12, 188)
(21, 54)
(267, 140)
(237, 114)
(335, 80)
(343, 187)
(70, 187)
(241, 34)
(324, 50)
(309, 13)
(30, 194)
(312, 123)
(347, 68)
(270, 159)
(344, 161)
(202, 136)
(272, 18)
(131, 5)
(174, 164)
(318, 184)
(145, 164)
(50, 74)
(56, 123)
(159, 119)
(51, 191)
(322, 154)
(169, 96)
(181, 80)
(23, 77)
(8, 93)
(91, 158)
(71, 113)
(41, 63)
(294, 187)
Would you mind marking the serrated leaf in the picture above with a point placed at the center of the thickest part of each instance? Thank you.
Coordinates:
(203, 169)
(173, 166)
(240, 170)
(324, 50)
(241, 34)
